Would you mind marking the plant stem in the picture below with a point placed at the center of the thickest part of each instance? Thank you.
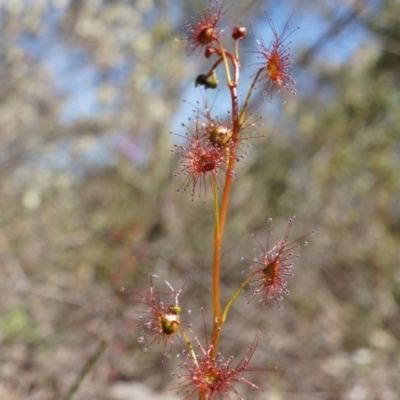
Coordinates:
(218, 322)
(249, 93)
(224, 55)
(236, 294)
(85, 369)
(216, 261)
(237, 120)
(232, 160)
(189, 345)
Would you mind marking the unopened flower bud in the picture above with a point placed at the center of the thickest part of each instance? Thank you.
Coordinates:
(239, 33)
(209, 51)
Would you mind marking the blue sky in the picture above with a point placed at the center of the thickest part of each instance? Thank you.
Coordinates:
(78, 81)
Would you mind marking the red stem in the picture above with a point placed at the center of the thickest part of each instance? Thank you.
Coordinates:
(224, 206)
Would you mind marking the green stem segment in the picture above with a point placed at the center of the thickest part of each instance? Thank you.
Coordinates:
(189, 346)
(85, 370)
(249, 93)
(224, 54)
(216, 257)
(236, 294)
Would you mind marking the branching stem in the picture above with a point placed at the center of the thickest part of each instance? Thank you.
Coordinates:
(222, 214)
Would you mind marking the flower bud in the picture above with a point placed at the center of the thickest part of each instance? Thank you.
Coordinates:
(239, 33)
(209, 51)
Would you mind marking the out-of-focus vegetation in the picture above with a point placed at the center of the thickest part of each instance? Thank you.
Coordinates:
(88, 90)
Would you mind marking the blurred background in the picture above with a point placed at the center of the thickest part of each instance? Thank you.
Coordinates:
(89, 93)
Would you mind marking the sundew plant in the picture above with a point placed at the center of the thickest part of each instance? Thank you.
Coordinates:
(208, 150)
